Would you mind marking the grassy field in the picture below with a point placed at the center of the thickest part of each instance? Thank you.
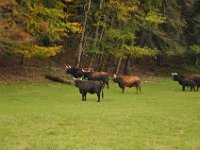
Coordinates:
(52, 116)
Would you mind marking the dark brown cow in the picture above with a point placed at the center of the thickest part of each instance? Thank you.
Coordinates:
(77, 72)
(192, 80)
(99, 76)
(89, 87)
(128, 81)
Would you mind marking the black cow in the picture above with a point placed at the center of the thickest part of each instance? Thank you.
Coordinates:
(89, 87)
(195, 78)
(99, 76)
(185, 81)
(74, 71)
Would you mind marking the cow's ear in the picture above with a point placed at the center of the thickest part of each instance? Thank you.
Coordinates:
(69, 66)
(66, 66)
(115, 76)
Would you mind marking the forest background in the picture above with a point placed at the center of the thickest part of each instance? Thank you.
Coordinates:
(128, 37)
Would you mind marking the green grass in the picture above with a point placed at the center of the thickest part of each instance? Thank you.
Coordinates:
(52, 116)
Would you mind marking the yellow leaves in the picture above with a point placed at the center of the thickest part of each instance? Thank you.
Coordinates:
(37, 51)
(75, 27)
(126, 10)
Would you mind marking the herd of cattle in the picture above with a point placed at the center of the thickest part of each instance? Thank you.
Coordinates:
(97, 80)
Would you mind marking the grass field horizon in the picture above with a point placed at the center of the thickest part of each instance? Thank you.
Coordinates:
(52, 116)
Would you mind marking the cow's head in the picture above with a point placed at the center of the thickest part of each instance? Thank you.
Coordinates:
(114, 78)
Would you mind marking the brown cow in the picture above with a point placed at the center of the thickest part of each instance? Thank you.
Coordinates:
(128, 81)
(99, 76)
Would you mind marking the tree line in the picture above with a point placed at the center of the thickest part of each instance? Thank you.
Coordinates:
(102, 30)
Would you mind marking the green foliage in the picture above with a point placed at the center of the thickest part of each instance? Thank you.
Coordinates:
(195, 49)
(93, 51)
(138, 52)
(155, 18)
(37, 51)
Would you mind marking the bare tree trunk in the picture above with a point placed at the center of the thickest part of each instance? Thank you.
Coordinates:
(108, 62)
(102, 63)
(118, 65)
(80, 49)
(99, 62)
(127, 64)
(22, 60)
(197, 61)
(96, 36)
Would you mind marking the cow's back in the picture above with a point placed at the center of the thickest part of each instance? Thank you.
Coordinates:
(129, 81)
(88, 85)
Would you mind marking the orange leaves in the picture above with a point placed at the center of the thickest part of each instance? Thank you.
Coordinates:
(7, 3)
(20, 35)
(6, 23)
(43, 26)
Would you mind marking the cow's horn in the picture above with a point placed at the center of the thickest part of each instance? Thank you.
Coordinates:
(174, 73)
(66, 66)
(69, 66)
(81, 78)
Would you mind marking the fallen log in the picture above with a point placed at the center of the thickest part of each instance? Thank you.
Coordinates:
(59, 79)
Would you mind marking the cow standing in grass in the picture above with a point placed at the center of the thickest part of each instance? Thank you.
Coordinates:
(187, 81)
(89, 87)
(128, 81)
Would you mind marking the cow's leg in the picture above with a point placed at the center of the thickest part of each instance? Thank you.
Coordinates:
(107, 85)
(98, 95)
(85, 95)
(194, 88)
(191, 88)
(183, 88)
(137, 89)
(123, 89)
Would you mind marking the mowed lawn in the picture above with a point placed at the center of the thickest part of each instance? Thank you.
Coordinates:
(40, 116)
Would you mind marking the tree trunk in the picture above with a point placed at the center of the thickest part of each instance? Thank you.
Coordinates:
(108, 62)
(22, 60)
(158, 60)
(118, 65)
(96, 37)
(80, 49)
(102, 63)
(127, 64)
(197, 61)
(59, 79)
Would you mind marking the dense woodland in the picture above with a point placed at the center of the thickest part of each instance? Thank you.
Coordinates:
(103, 33)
